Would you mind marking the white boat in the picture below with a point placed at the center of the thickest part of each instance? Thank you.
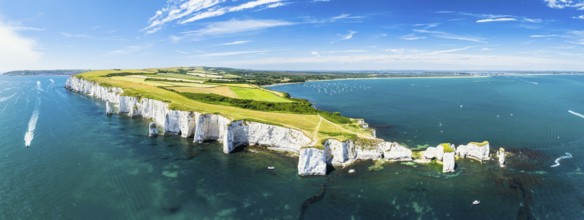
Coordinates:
(271, 168)
(476, 202)
(351, 171)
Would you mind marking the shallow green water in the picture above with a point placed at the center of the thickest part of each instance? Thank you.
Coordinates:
(82, 164)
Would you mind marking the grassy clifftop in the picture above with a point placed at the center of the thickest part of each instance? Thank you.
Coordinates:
(203, 92)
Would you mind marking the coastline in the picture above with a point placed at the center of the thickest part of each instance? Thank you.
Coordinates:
(380, 78)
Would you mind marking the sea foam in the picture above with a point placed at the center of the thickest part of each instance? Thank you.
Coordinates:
(29, 135)
(557, 161)
(576, 113)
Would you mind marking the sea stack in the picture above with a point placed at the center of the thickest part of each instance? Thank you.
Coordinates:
(501, 155)
(475, 150)
(108, 108)
(152, 129)
(448, 157)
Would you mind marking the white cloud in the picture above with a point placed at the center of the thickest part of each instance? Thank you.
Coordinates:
(17, 51)
(532, 20)
(412, 37)
(488, 20)
(450, 50)
(485, 18)
(347, 36)
(24, 28)
(70, 35)
(581, 17)
(449, 36)
(543, 36)
(239, 42)
(231, 27)
(561, 4)
(187, 11)
(177, 9)
(232, 53)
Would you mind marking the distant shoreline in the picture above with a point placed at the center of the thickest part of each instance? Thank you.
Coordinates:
(377, 78)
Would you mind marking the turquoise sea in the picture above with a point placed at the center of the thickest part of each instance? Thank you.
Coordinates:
(82, 164)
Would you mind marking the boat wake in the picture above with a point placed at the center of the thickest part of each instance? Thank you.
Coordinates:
(532, 82)
(32, 123)
(38, 86)
(3, 99)
(557, 161)
(576, 113)
(31, 127)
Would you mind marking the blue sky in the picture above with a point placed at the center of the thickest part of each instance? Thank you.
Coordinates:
(293, 34)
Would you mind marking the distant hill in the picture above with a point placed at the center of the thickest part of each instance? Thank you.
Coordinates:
(42, 72)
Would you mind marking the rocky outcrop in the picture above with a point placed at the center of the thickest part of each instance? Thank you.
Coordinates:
(245, 133)
(339, 153)
(474, 150)
(448, 162)
(152, 129)
(396, 152)
(108, 108)
(444, 153)
(501, 156)
(343, 153)
(312, 162)
(215, 127)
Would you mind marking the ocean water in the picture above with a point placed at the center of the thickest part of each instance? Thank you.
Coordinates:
(82, 164)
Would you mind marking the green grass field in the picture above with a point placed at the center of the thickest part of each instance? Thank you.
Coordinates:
(257, 94)
(312, 125)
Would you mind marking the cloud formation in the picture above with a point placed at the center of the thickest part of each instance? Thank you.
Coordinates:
(449, 36)
(344, 37)
(239, 42)
(561, 4)
(231, 27)
(489, 20)
(187, 11)
(17, 51)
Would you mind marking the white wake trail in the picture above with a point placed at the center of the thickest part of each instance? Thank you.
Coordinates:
(31, 127)
(38, 86)
(576, 113)
(3, 99)
(557, 161)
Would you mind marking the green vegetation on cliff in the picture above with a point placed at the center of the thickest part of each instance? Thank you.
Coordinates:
(202, 90)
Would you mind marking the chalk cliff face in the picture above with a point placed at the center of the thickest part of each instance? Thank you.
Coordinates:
(346, 152)
(232, 134)
(448, 162)
(202, 127)
(312, 162)
(273, 137)
(474, 150)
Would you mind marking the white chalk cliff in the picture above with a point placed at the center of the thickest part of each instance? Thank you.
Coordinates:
(202, 127)
(438, 153)
(474, 150)
(235, 133)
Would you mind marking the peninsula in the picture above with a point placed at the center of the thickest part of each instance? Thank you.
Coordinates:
(229, 106)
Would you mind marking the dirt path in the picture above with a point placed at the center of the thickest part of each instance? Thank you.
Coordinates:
(315, 133)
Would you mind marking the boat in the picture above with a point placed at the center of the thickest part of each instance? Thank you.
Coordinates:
(271, 168)
(476, 202)
(351, 171)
